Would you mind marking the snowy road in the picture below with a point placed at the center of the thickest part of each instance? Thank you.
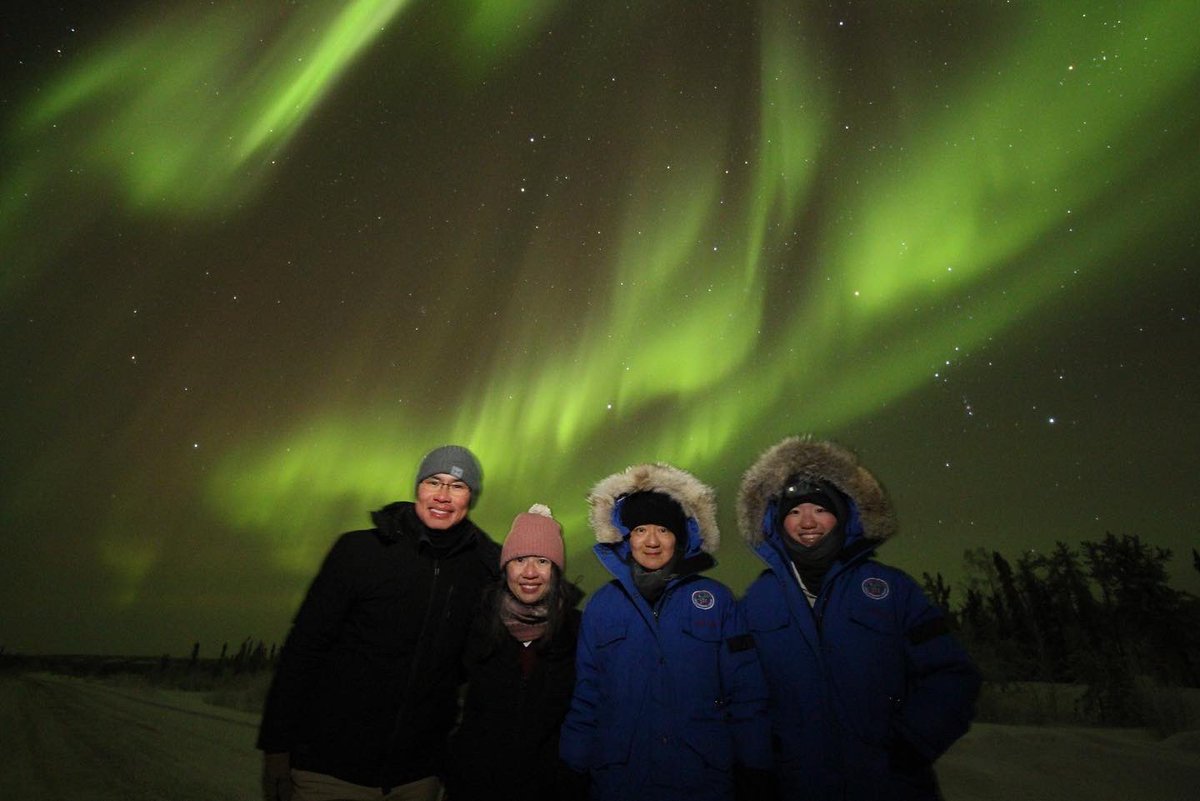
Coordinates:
(65, 738)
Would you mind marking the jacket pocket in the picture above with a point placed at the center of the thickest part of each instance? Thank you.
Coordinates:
(609, 632)
(712, 741)
(613, 734)
(704, 626)
(767, 616)
(872, 693)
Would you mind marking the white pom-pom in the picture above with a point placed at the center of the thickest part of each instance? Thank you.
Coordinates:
(540, 509)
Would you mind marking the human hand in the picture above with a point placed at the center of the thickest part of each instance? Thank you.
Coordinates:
(277, 777)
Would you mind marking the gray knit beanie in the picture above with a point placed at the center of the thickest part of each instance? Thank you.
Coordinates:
(453, 460)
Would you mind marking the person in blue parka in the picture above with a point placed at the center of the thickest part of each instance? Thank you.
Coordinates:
(669, 696)
(867, 685)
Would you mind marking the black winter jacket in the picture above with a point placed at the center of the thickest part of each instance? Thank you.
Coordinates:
(507, 744)
(366, 685)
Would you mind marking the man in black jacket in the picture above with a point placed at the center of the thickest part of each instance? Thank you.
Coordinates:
(365, 691)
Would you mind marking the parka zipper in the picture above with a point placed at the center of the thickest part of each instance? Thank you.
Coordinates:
(406, 697)
(819, 614)
(420, 651)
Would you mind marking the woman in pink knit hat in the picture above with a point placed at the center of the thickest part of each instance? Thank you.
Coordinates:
(520, 665)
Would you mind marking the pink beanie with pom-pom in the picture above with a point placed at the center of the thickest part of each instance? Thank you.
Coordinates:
(534, 533)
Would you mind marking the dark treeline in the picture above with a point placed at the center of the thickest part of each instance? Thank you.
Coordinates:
(234, 678)
(1101, 616)
(252, 656)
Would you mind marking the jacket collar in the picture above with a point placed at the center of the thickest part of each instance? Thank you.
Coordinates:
(774, 553)
(398, 522)
(690, 567)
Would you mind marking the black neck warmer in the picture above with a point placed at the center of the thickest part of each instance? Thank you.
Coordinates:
(813, 563)
(440, 541)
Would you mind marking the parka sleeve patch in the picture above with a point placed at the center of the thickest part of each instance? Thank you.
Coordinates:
(742, 642)
(923, 632)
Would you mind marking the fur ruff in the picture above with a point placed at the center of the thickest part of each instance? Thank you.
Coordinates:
(817, 459)
(697, 499)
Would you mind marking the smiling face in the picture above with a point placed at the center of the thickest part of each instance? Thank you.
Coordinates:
(652, 546)
(808, 523)
(529, 578)
(442, 501)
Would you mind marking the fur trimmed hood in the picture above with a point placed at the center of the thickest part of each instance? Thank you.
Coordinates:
(826, 461)
(697, 499)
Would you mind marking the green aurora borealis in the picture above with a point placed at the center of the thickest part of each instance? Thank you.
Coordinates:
(257, 258)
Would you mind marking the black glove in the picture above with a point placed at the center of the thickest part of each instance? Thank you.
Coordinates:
(905, 759)
(277, 777)
(573, 785)
(753, 784)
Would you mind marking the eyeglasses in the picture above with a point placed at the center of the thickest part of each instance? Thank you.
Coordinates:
(455, 488)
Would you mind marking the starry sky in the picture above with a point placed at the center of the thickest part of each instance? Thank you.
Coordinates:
(257, 258)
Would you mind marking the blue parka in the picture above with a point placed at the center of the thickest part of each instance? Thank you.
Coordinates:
(867, 686)
(667, 698)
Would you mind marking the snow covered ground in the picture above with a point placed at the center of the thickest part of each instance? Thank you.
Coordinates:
(68, 738)
(1006, 763)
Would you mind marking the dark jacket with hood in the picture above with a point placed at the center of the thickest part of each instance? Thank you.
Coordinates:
(365, 689)
(667, 698)
(507, 744)
(867, 686)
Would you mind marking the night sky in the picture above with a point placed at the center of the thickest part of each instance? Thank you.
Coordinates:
(257, 258)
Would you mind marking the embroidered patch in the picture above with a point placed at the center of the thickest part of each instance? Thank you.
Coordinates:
(703, 599)
(875, 588)
(456, 471)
